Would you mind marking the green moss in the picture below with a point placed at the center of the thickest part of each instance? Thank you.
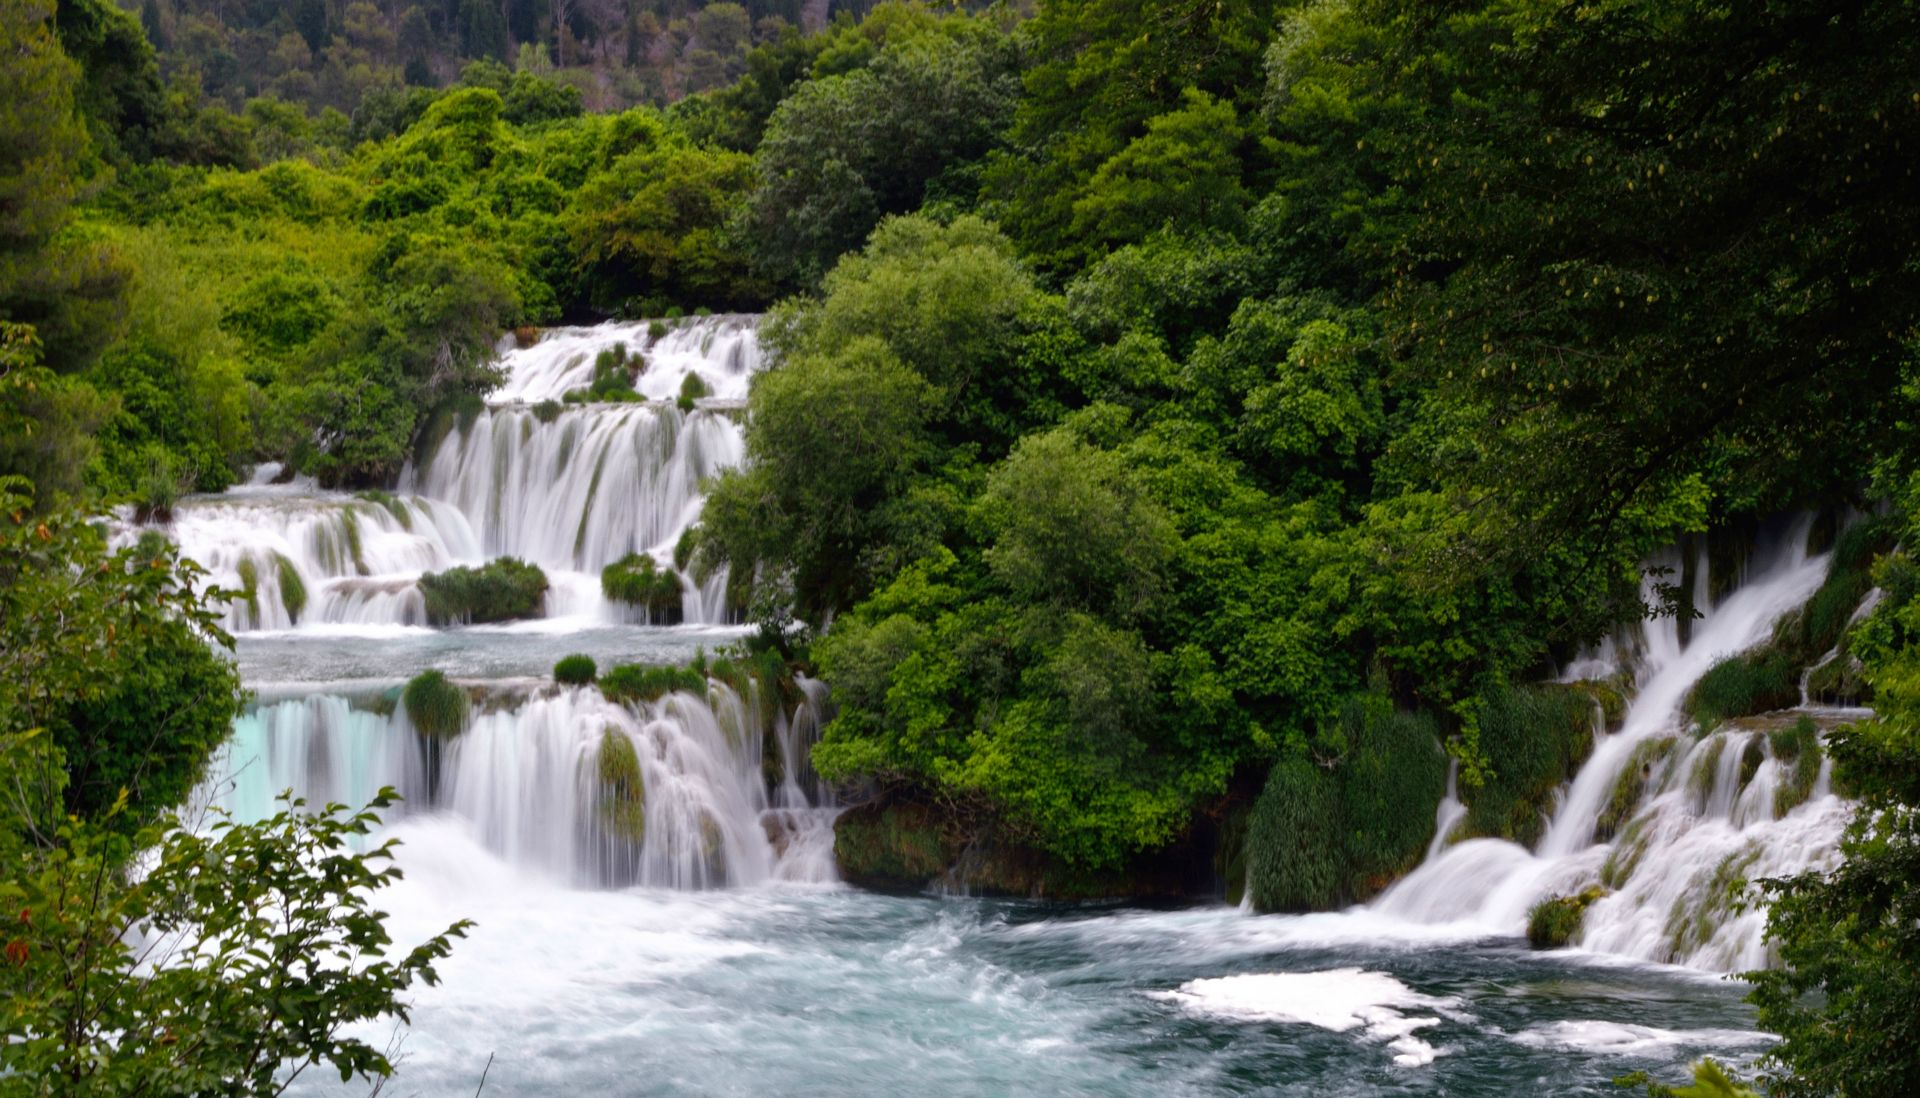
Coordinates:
(435, 706)
(547, 411)
(293, 592)
(1705, 770)
(505, 589)
(1554, 922)
(1631, 785)
(1698, 913)
(350, 528)
(623, 789)
(1840, 681)
(574, 670)
(657, 330)
(250, 587)
(636, 579)
(892, 847)
(691, 389)
(1612, 702)
(1796, 750)
(1534, 737)
(393, 506)
(1759, 681)
(1626, 855)
(631, 682)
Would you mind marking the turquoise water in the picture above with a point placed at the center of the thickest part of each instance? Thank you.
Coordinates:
(801, 990)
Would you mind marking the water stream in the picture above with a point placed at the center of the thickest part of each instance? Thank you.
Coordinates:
(675, 927)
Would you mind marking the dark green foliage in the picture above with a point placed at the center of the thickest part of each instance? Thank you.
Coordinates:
(1324, 835)
(115, 659)
(1744, 685)
(293, 592)
(1534, 738)
(503, 589)
(574, 670)
(633, 682)
(1555, 921)
(435, 706)
(691, 389)
(638, 580)
(613, 371)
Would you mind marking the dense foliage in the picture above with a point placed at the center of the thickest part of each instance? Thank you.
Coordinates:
(503, 589)
(1181, 414)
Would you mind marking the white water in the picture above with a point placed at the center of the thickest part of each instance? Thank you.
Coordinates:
(571, 488)
(525, 781)
(1699, 830)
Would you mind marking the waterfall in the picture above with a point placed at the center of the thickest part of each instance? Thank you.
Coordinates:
(1707, 818)
(682, 792)
(569, 487)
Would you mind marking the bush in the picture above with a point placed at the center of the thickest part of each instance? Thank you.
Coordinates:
(691, 389)
(293, 591)
(1554, 921)
(613, 371)
(1320, 837)
(638, 580)
(435, 706)
(500, 590)
(1741, 686)
(1534, 738)
(657, 330)
(632, 682)
(574, 670)
(623, 790)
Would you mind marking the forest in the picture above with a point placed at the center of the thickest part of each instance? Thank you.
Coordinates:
(1192, 426)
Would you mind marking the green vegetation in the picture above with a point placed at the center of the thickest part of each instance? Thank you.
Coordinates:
(1150, 381)
(1745, 685)
(1536, 736)
(1641, 770)
(1326, 832)
(623, 789)
(633, 682)
(503, 589)
(114, 693)
(691, 389)
(613, 374)
(574, 670)
(1796, 751)
(638, 580)
(293, 590)
(436, 707)
(1555, 921)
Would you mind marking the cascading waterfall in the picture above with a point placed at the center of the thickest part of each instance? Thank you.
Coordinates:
(681, 792)
(1708, 815)
(569, 487)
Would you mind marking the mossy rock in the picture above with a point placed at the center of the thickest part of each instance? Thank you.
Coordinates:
(435, 706)
(1796, 751)
(1631, 785)
(1841, 680)
(250, 588)
(1608, 695)
(293, 592)
(1700, 911)
(1555, 921)
(895, 847)
(622, 787)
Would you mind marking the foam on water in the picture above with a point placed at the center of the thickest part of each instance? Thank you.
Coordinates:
(1337, 999)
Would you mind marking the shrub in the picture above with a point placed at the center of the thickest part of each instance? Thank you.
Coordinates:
(638, 580)
(500, 590)
(250, 587)
(1743, 685)
(1534, 738)
(691, 389)
(632, 682)
(547, 411)
(657, 330)
(1319, 837)
(435, 706)
(1554, 921)
(574, 670)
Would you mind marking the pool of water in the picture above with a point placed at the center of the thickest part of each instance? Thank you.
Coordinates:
(811, 990)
